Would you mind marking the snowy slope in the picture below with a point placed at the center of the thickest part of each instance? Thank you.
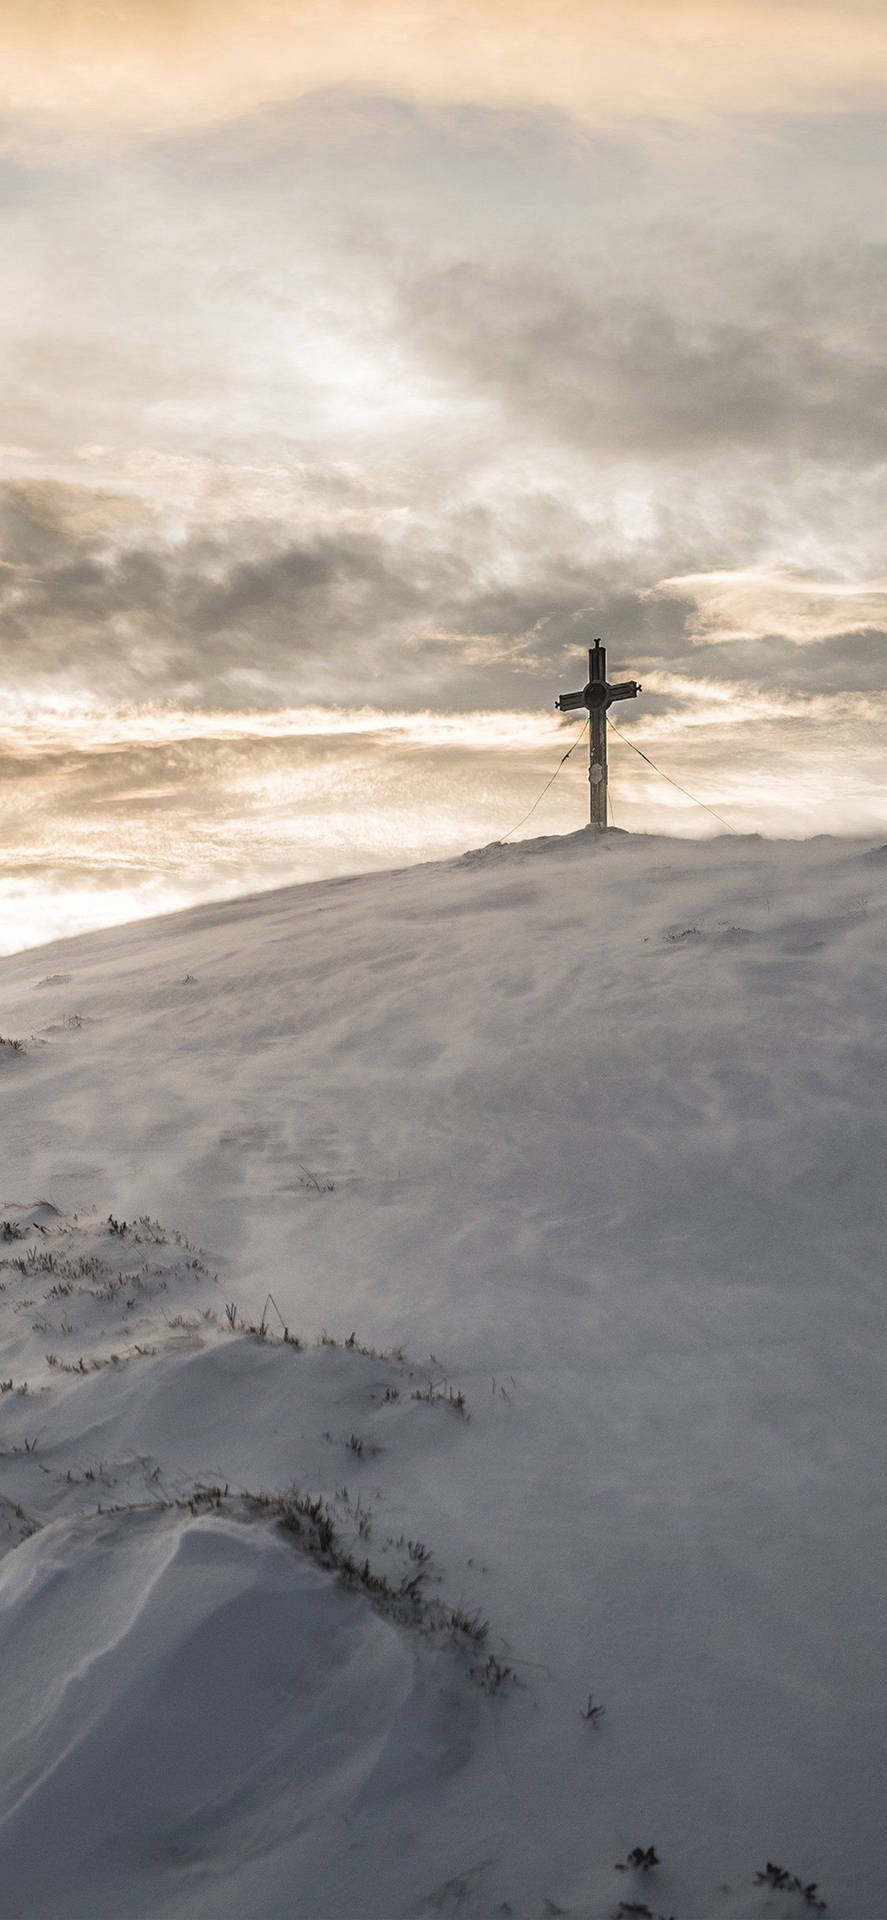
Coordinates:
(579, 1144)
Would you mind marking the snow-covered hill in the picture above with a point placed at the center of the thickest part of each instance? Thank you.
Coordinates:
(435, 1307)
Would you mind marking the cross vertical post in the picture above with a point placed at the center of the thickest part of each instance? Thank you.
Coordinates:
(596, 696)
(597, 737)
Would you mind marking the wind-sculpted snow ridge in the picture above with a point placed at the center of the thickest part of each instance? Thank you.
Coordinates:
(146, 1730)
(579, 1611)
(117, 1294)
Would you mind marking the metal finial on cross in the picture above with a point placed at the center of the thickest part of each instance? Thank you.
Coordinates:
(597, 696)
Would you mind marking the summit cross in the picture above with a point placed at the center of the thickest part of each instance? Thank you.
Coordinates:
(597, 696)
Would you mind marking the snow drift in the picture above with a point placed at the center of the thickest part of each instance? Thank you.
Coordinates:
(510, 1350)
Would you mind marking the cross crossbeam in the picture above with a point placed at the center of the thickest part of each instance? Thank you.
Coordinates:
(596, 696)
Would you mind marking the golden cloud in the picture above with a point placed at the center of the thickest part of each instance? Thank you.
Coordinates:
(756, 602)
(155, 63)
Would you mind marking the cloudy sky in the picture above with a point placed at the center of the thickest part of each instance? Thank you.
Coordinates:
(364, 360)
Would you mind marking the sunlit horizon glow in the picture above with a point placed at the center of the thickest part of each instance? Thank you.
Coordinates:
(38, 729)
(146, 812)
